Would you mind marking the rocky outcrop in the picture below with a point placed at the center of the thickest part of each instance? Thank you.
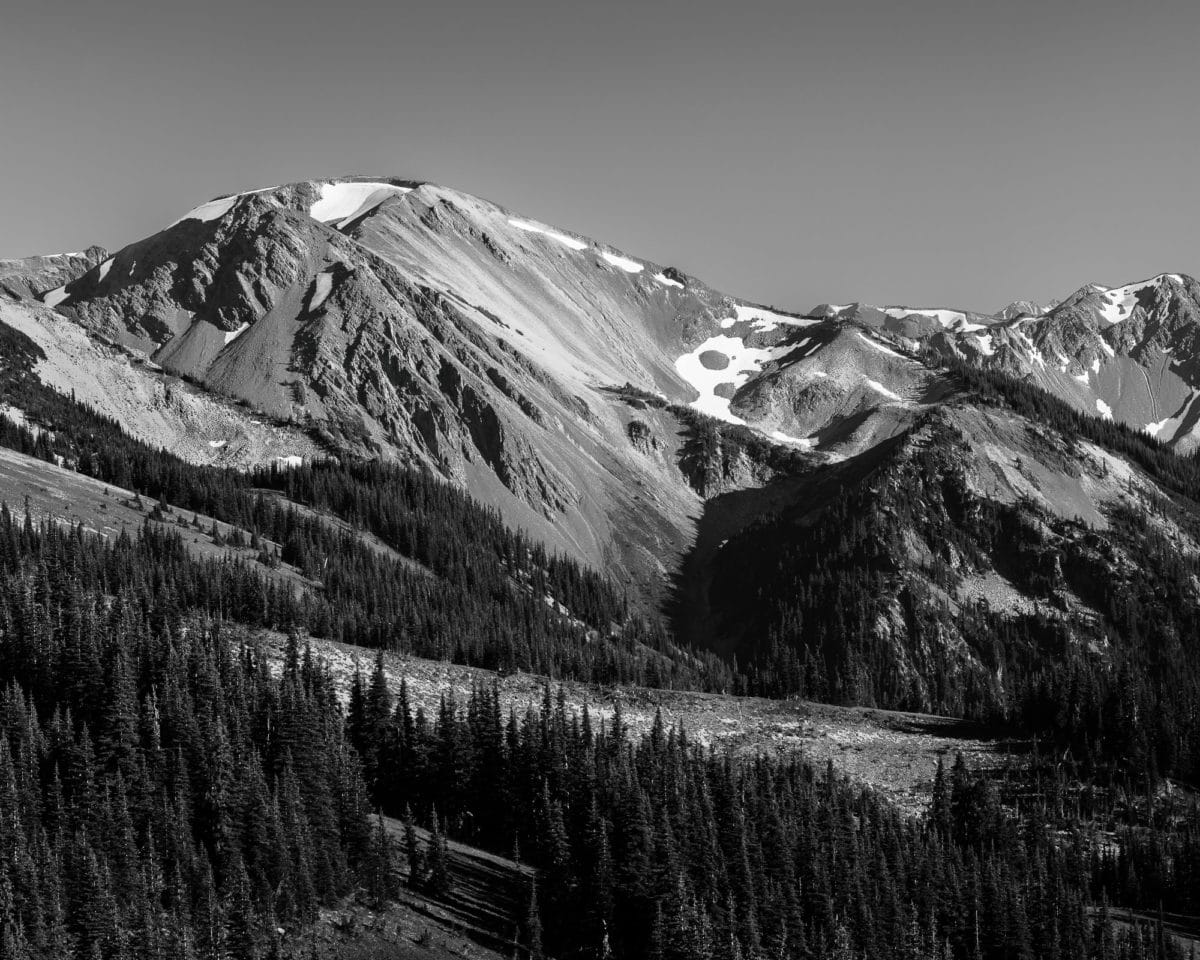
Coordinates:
(32, 277)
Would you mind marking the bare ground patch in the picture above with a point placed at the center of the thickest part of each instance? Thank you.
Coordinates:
(894, 753)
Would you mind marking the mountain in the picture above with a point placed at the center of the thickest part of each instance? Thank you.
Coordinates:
(361, 414)
(401, 319)
(620, 411)
(1127, 353)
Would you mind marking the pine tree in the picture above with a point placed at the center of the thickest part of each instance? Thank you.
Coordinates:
(412, 850)
(439, 883)
(533, 926)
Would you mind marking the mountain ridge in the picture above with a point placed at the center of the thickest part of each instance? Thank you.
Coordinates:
(398, 318)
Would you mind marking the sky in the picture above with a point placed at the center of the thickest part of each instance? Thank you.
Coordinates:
(924, 153)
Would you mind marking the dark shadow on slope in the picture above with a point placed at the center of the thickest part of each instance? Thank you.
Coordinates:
(488, 897)
(702, 620)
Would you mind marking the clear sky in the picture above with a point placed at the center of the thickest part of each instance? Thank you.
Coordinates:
(944, 152)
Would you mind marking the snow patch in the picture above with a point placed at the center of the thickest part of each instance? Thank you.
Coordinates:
(56, 296)
(667, 281)
(14, 414)
(966, 326)
(1081, 377)
(345, 202)
(624, 263)
(232, 335)
(215, 209)
(212, 210)
(880, 388)
(876, 345)
(1096, 365)
(804, 443)
(562, 238)
(322, 285)
(1034, 353)
(104, 268)
(292, 460)
(764, 319)
(1103, 409)
(217, 444)
(983, 343)
(1154, 428)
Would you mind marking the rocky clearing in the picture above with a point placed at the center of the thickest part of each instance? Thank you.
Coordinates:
(893, 753)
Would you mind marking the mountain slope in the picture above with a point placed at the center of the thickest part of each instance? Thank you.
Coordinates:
(404, 320)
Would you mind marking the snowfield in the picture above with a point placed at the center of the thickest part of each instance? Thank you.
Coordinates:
(743, 362)
(667, 281)
(344, 202)
(215, 209)
(210, 211)
(1118, 303)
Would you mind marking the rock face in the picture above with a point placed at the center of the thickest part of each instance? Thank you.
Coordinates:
(1024, 308)
(1129, 353)
(33, 277)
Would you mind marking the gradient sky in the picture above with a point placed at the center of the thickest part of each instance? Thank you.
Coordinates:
(949, 153)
